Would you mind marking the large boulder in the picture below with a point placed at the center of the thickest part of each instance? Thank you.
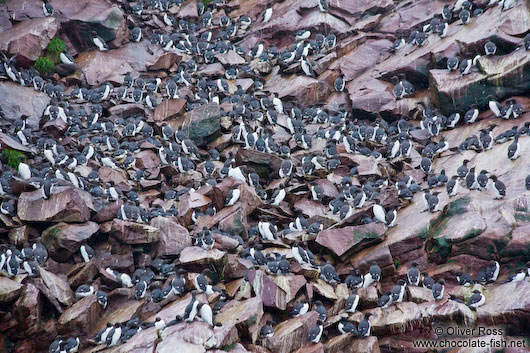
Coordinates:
(58, 287)
(32, 105)
(82, 17)
(29, 38)
(340, 240)
(291, 334)
(506, 304)
(9, 289)
(173, 237)
(277, 291)
(81, 317)
(202, 124)
(134, 233)
(65, 204)
(28, 309)
(63, 240)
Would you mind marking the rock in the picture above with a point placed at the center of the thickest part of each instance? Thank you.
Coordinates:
(419, 294)
(407, 316)
(262, 162)
(164, 61)
(63, 240)
(85, 16)
(203, 123)
(19, 235)
(197, 255)
(175, 336)
(112, 65)
(236, 267)
(28, 309)
(303, 89)
(188, 9)
(9, 142)
(134, 233)
(191, 201)
(291, 334)
(230, 58)
(81, 317)
(65, 204)
(29, 38)
(312, 348)
(345, 344)
(506, 303)
(169, 108)
(9, 289)
(340, 240)
(245, 314)
(58, 287)
(173, 237)
(82, 273)
(143, 341)
(147, 160)
(33, 104)
(275, 292)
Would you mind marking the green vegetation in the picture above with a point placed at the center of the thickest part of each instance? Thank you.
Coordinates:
(56, 47)
(424, 232)
(206, 2)
(44, 65)
(522, 217)
(397, 263)
(457, 207)
(229, 347)
(13, 157)
(472, 233)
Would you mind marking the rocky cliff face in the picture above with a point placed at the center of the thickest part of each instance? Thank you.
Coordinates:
(125, 190)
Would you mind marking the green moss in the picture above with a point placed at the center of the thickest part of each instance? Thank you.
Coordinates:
(397, 263)
(206, 2)
(457, 207)
(56, 47)
(44, 65)
(229, 347)
(472, 233)
(522, 217)
(424, 232)
(521, 209)
(12, 157)
(251, 320)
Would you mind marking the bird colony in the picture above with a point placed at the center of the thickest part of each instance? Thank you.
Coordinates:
(206, 201)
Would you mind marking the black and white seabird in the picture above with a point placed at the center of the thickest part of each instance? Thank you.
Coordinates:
(427, 282)
(344, 326)
(352, 302)
(315, 332)
(373, 275)
(84, 290)
(364, 326)
(517, 277)
(413, 274)
(498, 187)
(267, 330)
(192, 309)
(267, 15)
(87, 252)
(438, 289)
(514, 149)
(492, 271)
(232, 197)
(490, 48)
(464, 279)
(99, 42)
(476, 299)
(101, 297)
(385, 300)
(300, 309)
